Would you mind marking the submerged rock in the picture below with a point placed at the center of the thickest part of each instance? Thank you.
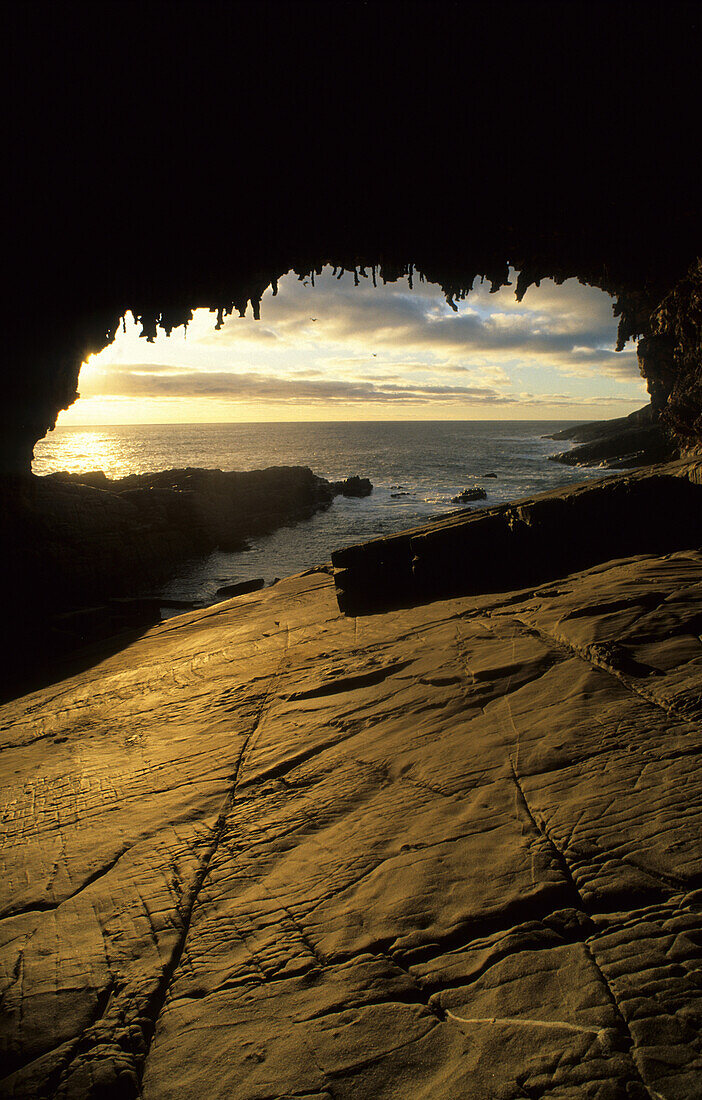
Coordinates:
(469, 494)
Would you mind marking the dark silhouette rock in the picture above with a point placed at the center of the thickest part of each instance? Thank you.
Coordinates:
(635, 440)
(72, 548)
(677, 327)
(353, 487)
(193, 510)
(229, 507)
(527, 542)
(599, 429)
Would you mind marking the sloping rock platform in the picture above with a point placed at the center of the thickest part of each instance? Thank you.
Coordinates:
(270, 851)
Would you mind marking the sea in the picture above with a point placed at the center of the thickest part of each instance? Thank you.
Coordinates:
(416, 467)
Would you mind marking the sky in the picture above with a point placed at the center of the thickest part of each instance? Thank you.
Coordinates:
(339, 352)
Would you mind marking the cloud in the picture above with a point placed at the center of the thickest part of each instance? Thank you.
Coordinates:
(92, 368)
(336, 344)
(584, 362)
(251, 386)
(555, 324)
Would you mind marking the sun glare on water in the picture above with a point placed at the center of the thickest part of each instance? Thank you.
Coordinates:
(91, 449)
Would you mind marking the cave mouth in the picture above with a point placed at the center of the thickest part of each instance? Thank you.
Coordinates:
(337, 346)
(458, 398)
(356, 172)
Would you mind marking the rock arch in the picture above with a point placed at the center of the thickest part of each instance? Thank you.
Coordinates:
(192, 159)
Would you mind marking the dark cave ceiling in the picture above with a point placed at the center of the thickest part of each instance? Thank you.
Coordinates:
(179, 155)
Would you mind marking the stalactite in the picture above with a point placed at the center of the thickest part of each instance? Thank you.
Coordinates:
(634, 304)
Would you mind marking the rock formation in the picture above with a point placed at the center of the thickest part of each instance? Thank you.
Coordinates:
(677, 326)
(466, 495)
(76, 546)
(86, 541)
(240, 588)
(353, 487)
(635, 440)
(215, 508)
(526, 542)
(272, 851)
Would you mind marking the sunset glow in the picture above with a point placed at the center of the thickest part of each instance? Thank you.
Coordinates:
(339, 352)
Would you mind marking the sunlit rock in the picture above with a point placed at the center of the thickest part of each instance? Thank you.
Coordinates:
(269, 850)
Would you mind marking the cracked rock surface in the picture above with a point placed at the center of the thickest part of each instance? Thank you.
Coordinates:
(270, 851)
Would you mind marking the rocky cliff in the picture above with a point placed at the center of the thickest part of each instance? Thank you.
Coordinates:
(635, 440)
(677, 326)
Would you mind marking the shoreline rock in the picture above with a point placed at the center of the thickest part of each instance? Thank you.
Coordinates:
(165, 518)
(353, 487)
(216, 508)
(240, 588)
(73, 544)
(639, 439)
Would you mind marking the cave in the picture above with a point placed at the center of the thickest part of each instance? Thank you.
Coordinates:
(194, 162)
(372, 350)
(215, 834)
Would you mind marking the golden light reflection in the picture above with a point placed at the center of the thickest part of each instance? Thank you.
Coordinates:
(81, 452)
